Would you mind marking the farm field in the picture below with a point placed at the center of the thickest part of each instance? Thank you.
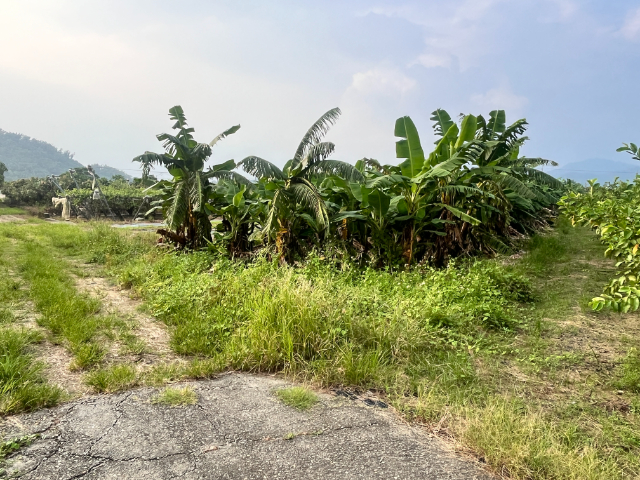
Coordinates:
(503, 357)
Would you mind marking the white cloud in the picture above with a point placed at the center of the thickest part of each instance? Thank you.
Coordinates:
(461, 30)
(430, 60)
(500, 98)
(631, 26)
(379, 80)
(563, 10)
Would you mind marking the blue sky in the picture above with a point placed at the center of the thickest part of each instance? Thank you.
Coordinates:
(97, 77)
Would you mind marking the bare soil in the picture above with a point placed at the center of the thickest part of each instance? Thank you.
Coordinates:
(118, 302)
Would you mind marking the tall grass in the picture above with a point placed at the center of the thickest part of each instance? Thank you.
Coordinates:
(22, 384)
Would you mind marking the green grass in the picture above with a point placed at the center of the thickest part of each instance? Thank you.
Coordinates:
(297, 397)
(12, 211)
(630, 372)
(73, 318)
(22, 384)
(114, 378)
(176, 397)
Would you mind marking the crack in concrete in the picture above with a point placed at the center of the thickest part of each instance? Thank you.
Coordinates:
(115, 422)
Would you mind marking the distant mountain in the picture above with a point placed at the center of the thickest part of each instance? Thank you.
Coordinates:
(105, 171)
(603, 169)
(26, 157)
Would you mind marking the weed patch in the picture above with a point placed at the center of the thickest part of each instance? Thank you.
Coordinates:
(112, 379)
(176, 397)
(297, 397)
(630, 372)
(22, 385)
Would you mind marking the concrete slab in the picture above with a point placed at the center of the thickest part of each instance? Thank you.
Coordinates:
(237, 430)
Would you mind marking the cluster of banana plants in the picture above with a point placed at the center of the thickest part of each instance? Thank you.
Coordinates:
(613, 210)
(472, 194)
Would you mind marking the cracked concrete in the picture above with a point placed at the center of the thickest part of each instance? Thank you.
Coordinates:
(237, 430)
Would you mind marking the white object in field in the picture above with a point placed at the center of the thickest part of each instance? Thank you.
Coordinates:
(66, 206)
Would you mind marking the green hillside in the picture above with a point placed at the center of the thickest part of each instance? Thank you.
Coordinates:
(26, 157)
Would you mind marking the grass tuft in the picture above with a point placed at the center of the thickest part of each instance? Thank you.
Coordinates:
(112, 379)
(297, 397)
(176, 397)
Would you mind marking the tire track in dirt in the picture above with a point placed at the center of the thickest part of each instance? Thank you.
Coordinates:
(116, 301)
(56, 359)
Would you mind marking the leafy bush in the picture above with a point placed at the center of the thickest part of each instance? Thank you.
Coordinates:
(613, 210)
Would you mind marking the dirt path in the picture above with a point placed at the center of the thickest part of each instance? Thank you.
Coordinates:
(13, 218)
(56, 359)
(116, 301)
(237, 429)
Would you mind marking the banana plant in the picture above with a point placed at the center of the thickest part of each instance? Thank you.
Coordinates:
(293, 196)
(631, 148)
(241, 211)
(184, 196)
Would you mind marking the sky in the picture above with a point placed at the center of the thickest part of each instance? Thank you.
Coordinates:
(97, 77)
